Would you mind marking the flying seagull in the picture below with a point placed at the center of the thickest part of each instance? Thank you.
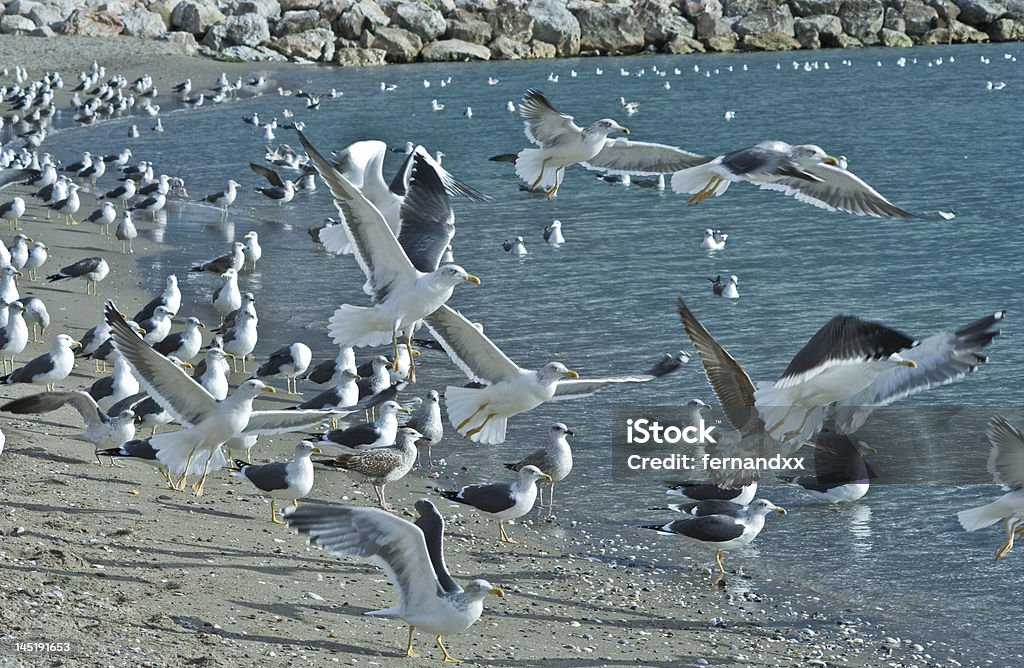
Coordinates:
(411, 556)
(1006, 466)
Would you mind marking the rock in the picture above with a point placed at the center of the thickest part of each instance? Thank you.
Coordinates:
(194, 17)
(359, 57)
(661, 21)
(845, 41)
(163, 8)
(364, 15)
(766, 21)
(947, 9)
(813, 7)
(45, 15)
(694, 8)
(807, 36)
(961, 33)
(246, 30)
(745, 7)
(540, 49)
(919, 18)
(682, 45)
(143, 23)
(454, 49)
(721, 43)
(268, 9)
(511, 20)
(253, 54)
(862, 19)
(468, 28)
(709, 26)
(215, 37)
(92, 23)
(896, 39)
(400, 45)
(555, 24)
(299, 21)
(419, 19)
(12, 24)
(21, 7)
(186, 40)
(315, 45)
(608, 29)
(979, 12)
(332, 9)
(893, 20)
(824, 29)
(1014, 9)
(503, 48)
(293, 5)
(42, 31)
(1006, 30)
(769, 41)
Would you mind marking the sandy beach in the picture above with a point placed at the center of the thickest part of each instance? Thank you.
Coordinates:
(132, 574)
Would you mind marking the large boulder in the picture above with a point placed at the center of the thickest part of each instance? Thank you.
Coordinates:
(297, 21)
(12, 24)
(363, 15)
(555, 24)
(744, 7)
(359, 57)
(769, 41)
(979, 12)
(721, 43)
(511, 20)
(268, 9)
(454, 49)
(694, 8)
(468, 27)
(1014, 9)
(815, 7)
(1006, 30)
(503, 48)
(682, 45)
(816, 31)
(185, 41)
(894, 20)
(661, 21)
(709, 25)
(947, 9)
(862, 19)
(766, 21)
(45, 15)
(143, 23)
(316, 45)
(608, 29)
(252, 54)
(895, 39)
(299, 5)
(194, 17)
(420, 19)
(246, 30)
(962, 33)
(400, 45)
(919, 18)
(92, 23)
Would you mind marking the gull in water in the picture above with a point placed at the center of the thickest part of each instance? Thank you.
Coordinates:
(713, 239)
(412, 556)
(1006, 466)
(553, 233)
(729, 290)
(804, 172)
(516, 247)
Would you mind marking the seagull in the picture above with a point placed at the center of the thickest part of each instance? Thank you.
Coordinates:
(516, 247)
(381, 465)
(289, 361)
(481, 413)
(728, 290)
(702, 491)
(344, 394)
(805, 172)
(280, 189)
(253, 251)
(226, 197)
(47, 369)
(553, 233)
(1004, 465)
(111, 389)
(158, 326)
(405, 286)
(8, 285)
(412, 557)
(126, 233)
(290, 481)
(19, 251)
(91, 269)
(555, 460)
(185, 344)
(380, 432)
(12, 211)
(68, 205)
(241, 339)
(228, 297)
(36, 315)
(170, 297)
(103, 430)
(939, 359)
(233, 260)
(331, 370)
(502, 500)
(724, 533)
(840, 473)
(713, 241)
(14, 335)
(207, 422)
(426, 419)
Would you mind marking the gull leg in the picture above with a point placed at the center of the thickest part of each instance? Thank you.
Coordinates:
(273, 513)
(718, 559)
(696, 197)
(180, 484)
(448, 658)
(504, 537)
(468, 420)
(551, 500)
(412, 360)
(383, 503)
(476, 430)
(198, 489)
(394, 346)
(167, 478)
(540, 176)
(558, 182)
(1008, 543)
(295, 503)
(409, 651)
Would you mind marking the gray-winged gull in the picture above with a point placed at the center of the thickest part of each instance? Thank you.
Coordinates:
(553, 233)
(722, 533)
(170, 297)
(729, 290)
(289, 481)
(92, 270)
(289, 361)
(69, 205)
(104, 217)
(380, 432)
(233, 260)
(1006, 466)
(38, 253)
(184, 344)
(37, 316)
(381, 465)
(19, 251)
(121, 383)
(50, 368)
(502, 500)
(703, 491)
(158, 326)
(12, 211)
(427, 420)
(555, 459)
(126, 233)
(14, 335)
(412, 562)
(805, 172)
(227, 297)
(8, 285)
(516, 246)
(713, 241)
(226, 197)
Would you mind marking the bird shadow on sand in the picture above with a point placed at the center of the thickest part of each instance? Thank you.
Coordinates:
(186, 508)
(36, 452)
(49, 508)
(181, 624)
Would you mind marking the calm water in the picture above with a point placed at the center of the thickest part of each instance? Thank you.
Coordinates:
(927, 135)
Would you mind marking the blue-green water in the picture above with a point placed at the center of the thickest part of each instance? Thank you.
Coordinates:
(928, 135)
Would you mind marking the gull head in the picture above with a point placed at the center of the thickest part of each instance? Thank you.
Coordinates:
(391, 408)
(477, 590)
(764, 506)
(453, 274)
(195, 322)
(229, 274)
(64, 341)
(305, 449)
(554, 371)
(172, 281)
(409, 434)
(807, 155)
(696, 403)
(252, 388)
(606, 126)
(433, 397)
(126, 416)
(558, 430)
(898, 360)
(531, 474)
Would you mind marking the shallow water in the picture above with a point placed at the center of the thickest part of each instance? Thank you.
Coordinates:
(926, 135)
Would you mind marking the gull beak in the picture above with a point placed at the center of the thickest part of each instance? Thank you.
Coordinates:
(403, 409)
(571, 374)
(201, 326)
(497, 591)
(358, 377)
(547, 478)
(171, 315)
(623, 130)
(473, 279)
(18, 273)
(27, 240)
(569, 432)
(140, 331)
(76, 344)
(185, 365)
(229, 356)
(909, 363)
(316, 451)
(269, 390)
(415, 353)
(781, 511)
(831, 160)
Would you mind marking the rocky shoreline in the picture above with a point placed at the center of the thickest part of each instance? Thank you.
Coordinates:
(375, 32)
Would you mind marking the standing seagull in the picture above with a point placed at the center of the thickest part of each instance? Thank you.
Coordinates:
(233, 260)
(502, 500)
(381, 465)
(413, 559)
(253, 251)
(126, 233)
(13, 211)
(69, 205)
(37, 256)
(184, 344)
(227, 298)
(289, 481)
(170, 297)
(427, 420)
(1006, 466)
(91, 269)
(36, 315)
(381, 432)
(555, 459)
(289, 361)
(226, 197)
(50, 368)
(14, 335)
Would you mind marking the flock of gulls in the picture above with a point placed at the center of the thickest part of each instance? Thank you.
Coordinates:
(400, 234)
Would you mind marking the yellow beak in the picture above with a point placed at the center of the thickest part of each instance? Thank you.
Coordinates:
(497, 591)
(316, 451)
(76, 344)
(830, 160)
(269, 390)
(571, 374)
(473, 279)
(545, 478)
(781, 511)
(229, 356)
(910, 364)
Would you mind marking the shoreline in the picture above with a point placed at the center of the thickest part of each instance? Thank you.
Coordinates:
(134, 575)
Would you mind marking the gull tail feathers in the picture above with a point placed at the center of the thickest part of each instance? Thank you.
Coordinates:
(357, 326)
(336, 239)
(528, 168)
(464, 403)
(973, 519)
(693, 180)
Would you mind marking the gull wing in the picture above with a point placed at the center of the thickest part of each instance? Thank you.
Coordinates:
(44, 402)
(428, 221)
(396, 545)
(376, 249)
(584, 387)
(622, 156)
(431, 524)
(1006, 459)
(166, 383)
(471, 351)
(545, 126)
(284, 421)
(269, 174)
(728, 380)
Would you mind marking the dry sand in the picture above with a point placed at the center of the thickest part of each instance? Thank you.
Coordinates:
(131, 574)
